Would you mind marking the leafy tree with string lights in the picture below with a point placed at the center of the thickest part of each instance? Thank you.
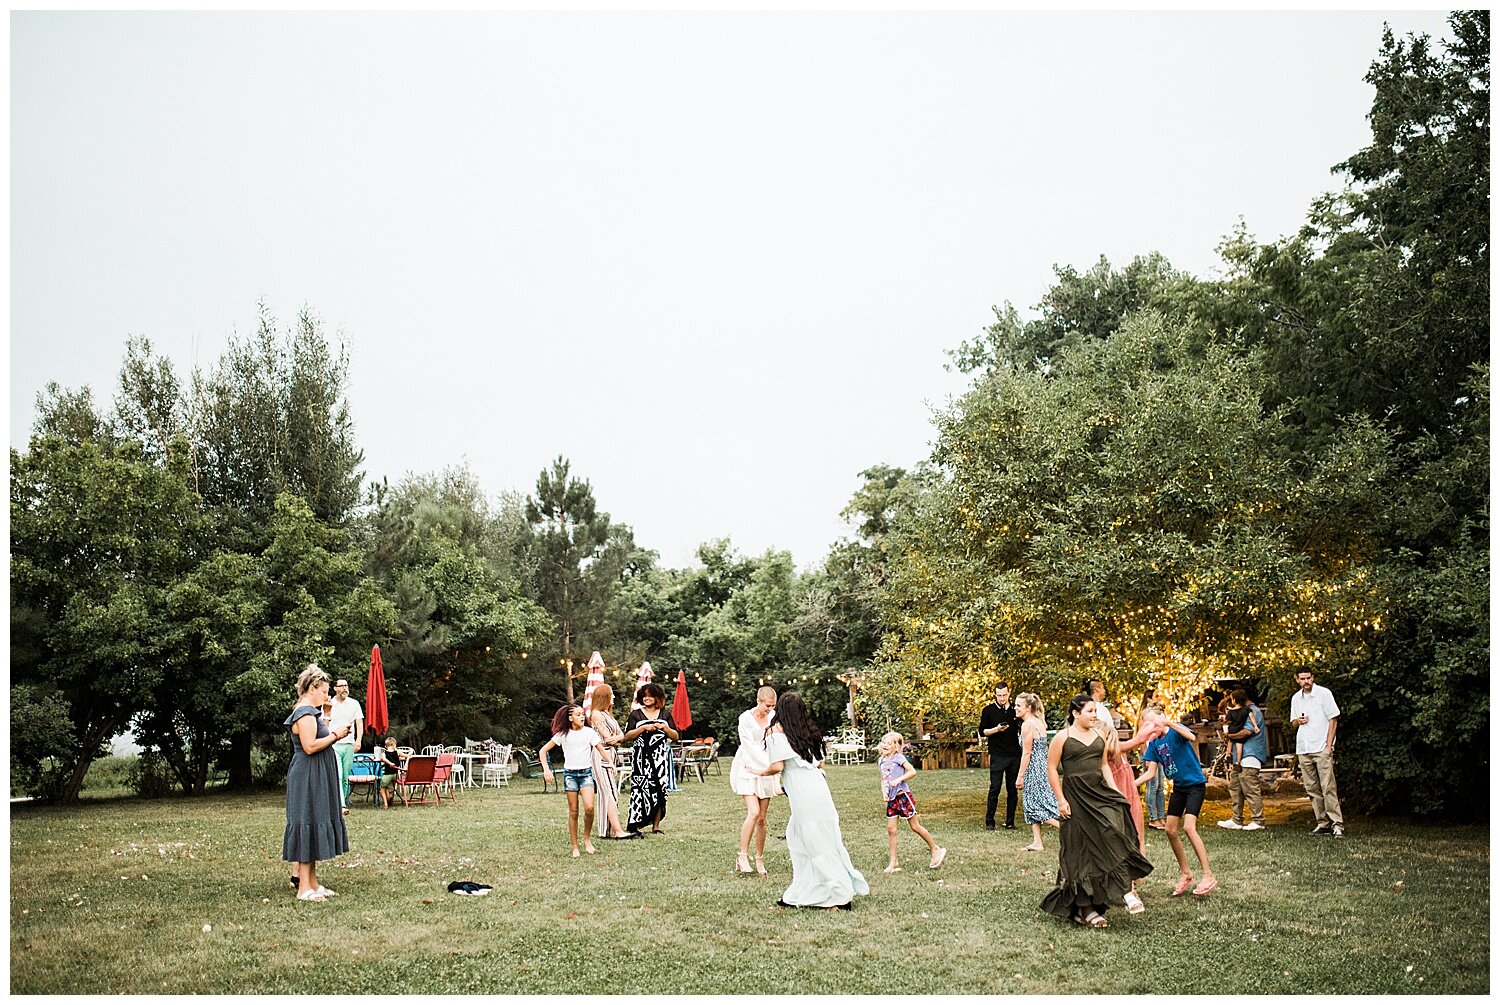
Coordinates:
(1130, 516)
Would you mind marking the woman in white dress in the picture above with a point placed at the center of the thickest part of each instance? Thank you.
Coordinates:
(822, 875)
(747, 780)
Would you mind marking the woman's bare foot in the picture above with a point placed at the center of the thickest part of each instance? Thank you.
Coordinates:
(893, 867)
(588, 846)
(575, 853)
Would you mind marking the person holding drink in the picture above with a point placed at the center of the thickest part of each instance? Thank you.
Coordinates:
(314, 801)
(652, 730)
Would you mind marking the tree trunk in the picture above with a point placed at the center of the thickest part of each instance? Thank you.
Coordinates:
(567, 641)
(91, 742)
(178, 762)
(240, 776)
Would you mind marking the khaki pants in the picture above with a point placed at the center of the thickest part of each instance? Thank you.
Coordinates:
(1322, 789)
(1244, 783)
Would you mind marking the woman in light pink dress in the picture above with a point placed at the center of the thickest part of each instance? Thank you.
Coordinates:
(1124, 774)
(606, 781)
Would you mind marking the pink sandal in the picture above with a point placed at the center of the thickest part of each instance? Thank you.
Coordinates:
(1182, 886)
(1205, 888)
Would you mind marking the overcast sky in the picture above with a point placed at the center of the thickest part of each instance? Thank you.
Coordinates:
(714, 259)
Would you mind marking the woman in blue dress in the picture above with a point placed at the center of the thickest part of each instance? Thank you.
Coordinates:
(314, 820)
(822, 874)
(1038, 804)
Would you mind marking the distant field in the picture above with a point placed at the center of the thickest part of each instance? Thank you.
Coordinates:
(178, 896)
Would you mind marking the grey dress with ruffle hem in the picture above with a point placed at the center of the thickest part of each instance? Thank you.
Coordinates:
(314, 817)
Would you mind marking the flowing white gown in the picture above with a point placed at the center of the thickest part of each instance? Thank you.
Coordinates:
(822, 874)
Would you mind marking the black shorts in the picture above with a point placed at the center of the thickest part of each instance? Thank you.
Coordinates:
(1186, 801)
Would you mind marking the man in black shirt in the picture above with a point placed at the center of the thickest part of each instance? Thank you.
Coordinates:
(998, 725)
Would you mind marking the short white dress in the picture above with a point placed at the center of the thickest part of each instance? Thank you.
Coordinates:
(752, 757)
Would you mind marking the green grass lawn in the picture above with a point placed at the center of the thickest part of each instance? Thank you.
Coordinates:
(191, 896)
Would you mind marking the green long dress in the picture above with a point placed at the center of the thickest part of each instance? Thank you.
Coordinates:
(1099, 856)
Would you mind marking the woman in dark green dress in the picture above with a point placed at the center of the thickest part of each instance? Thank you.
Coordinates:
(1100, 858)
(314, 820)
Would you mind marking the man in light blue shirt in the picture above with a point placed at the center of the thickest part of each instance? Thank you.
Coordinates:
(1248, 756)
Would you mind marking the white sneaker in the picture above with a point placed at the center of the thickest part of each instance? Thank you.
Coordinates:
(1230, 825)
(1253, 826)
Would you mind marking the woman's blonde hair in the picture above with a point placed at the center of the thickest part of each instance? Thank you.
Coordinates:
(1032, 702)
(309, 678)
(602, 699)
(889, 744)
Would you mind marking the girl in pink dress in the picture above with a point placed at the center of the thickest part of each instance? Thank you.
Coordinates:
(1124, 777)
(1124, 774)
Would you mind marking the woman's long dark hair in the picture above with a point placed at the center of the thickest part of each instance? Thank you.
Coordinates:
(1076, 705)
(797, 723)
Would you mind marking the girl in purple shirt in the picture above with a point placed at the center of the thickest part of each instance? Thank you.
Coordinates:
(895, 772)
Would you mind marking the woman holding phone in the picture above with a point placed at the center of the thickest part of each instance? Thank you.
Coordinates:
(314, 818)
(651, 729)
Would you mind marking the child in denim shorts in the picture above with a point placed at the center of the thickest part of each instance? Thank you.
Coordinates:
(577, 741)
(895, 772)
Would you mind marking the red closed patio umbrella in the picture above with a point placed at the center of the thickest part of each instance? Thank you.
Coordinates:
(682, 714)
(377, 716)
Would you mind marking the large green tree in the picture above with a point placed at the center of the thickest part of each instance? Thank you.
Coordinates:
(99, 533)
(455, 660)
(1379, 306)
(272, 416)
(236, 627)
(1131, 516)
(260, 578)
(1369, 326)
(576, 561)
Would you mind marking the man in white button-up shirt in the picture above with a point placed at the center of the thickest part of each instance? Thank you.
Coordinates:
(1316, 716)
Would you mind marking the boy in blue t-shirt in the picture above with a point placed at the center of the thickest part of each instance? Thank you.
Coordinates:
(1171, 751)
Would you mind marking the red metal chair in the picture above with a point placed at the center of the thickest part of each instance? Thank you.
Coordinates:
(443, 777)
(419, 772)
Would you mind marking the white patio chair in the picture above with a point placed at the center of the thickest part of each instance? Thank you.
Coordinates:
(497, 769)
(847, 747)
